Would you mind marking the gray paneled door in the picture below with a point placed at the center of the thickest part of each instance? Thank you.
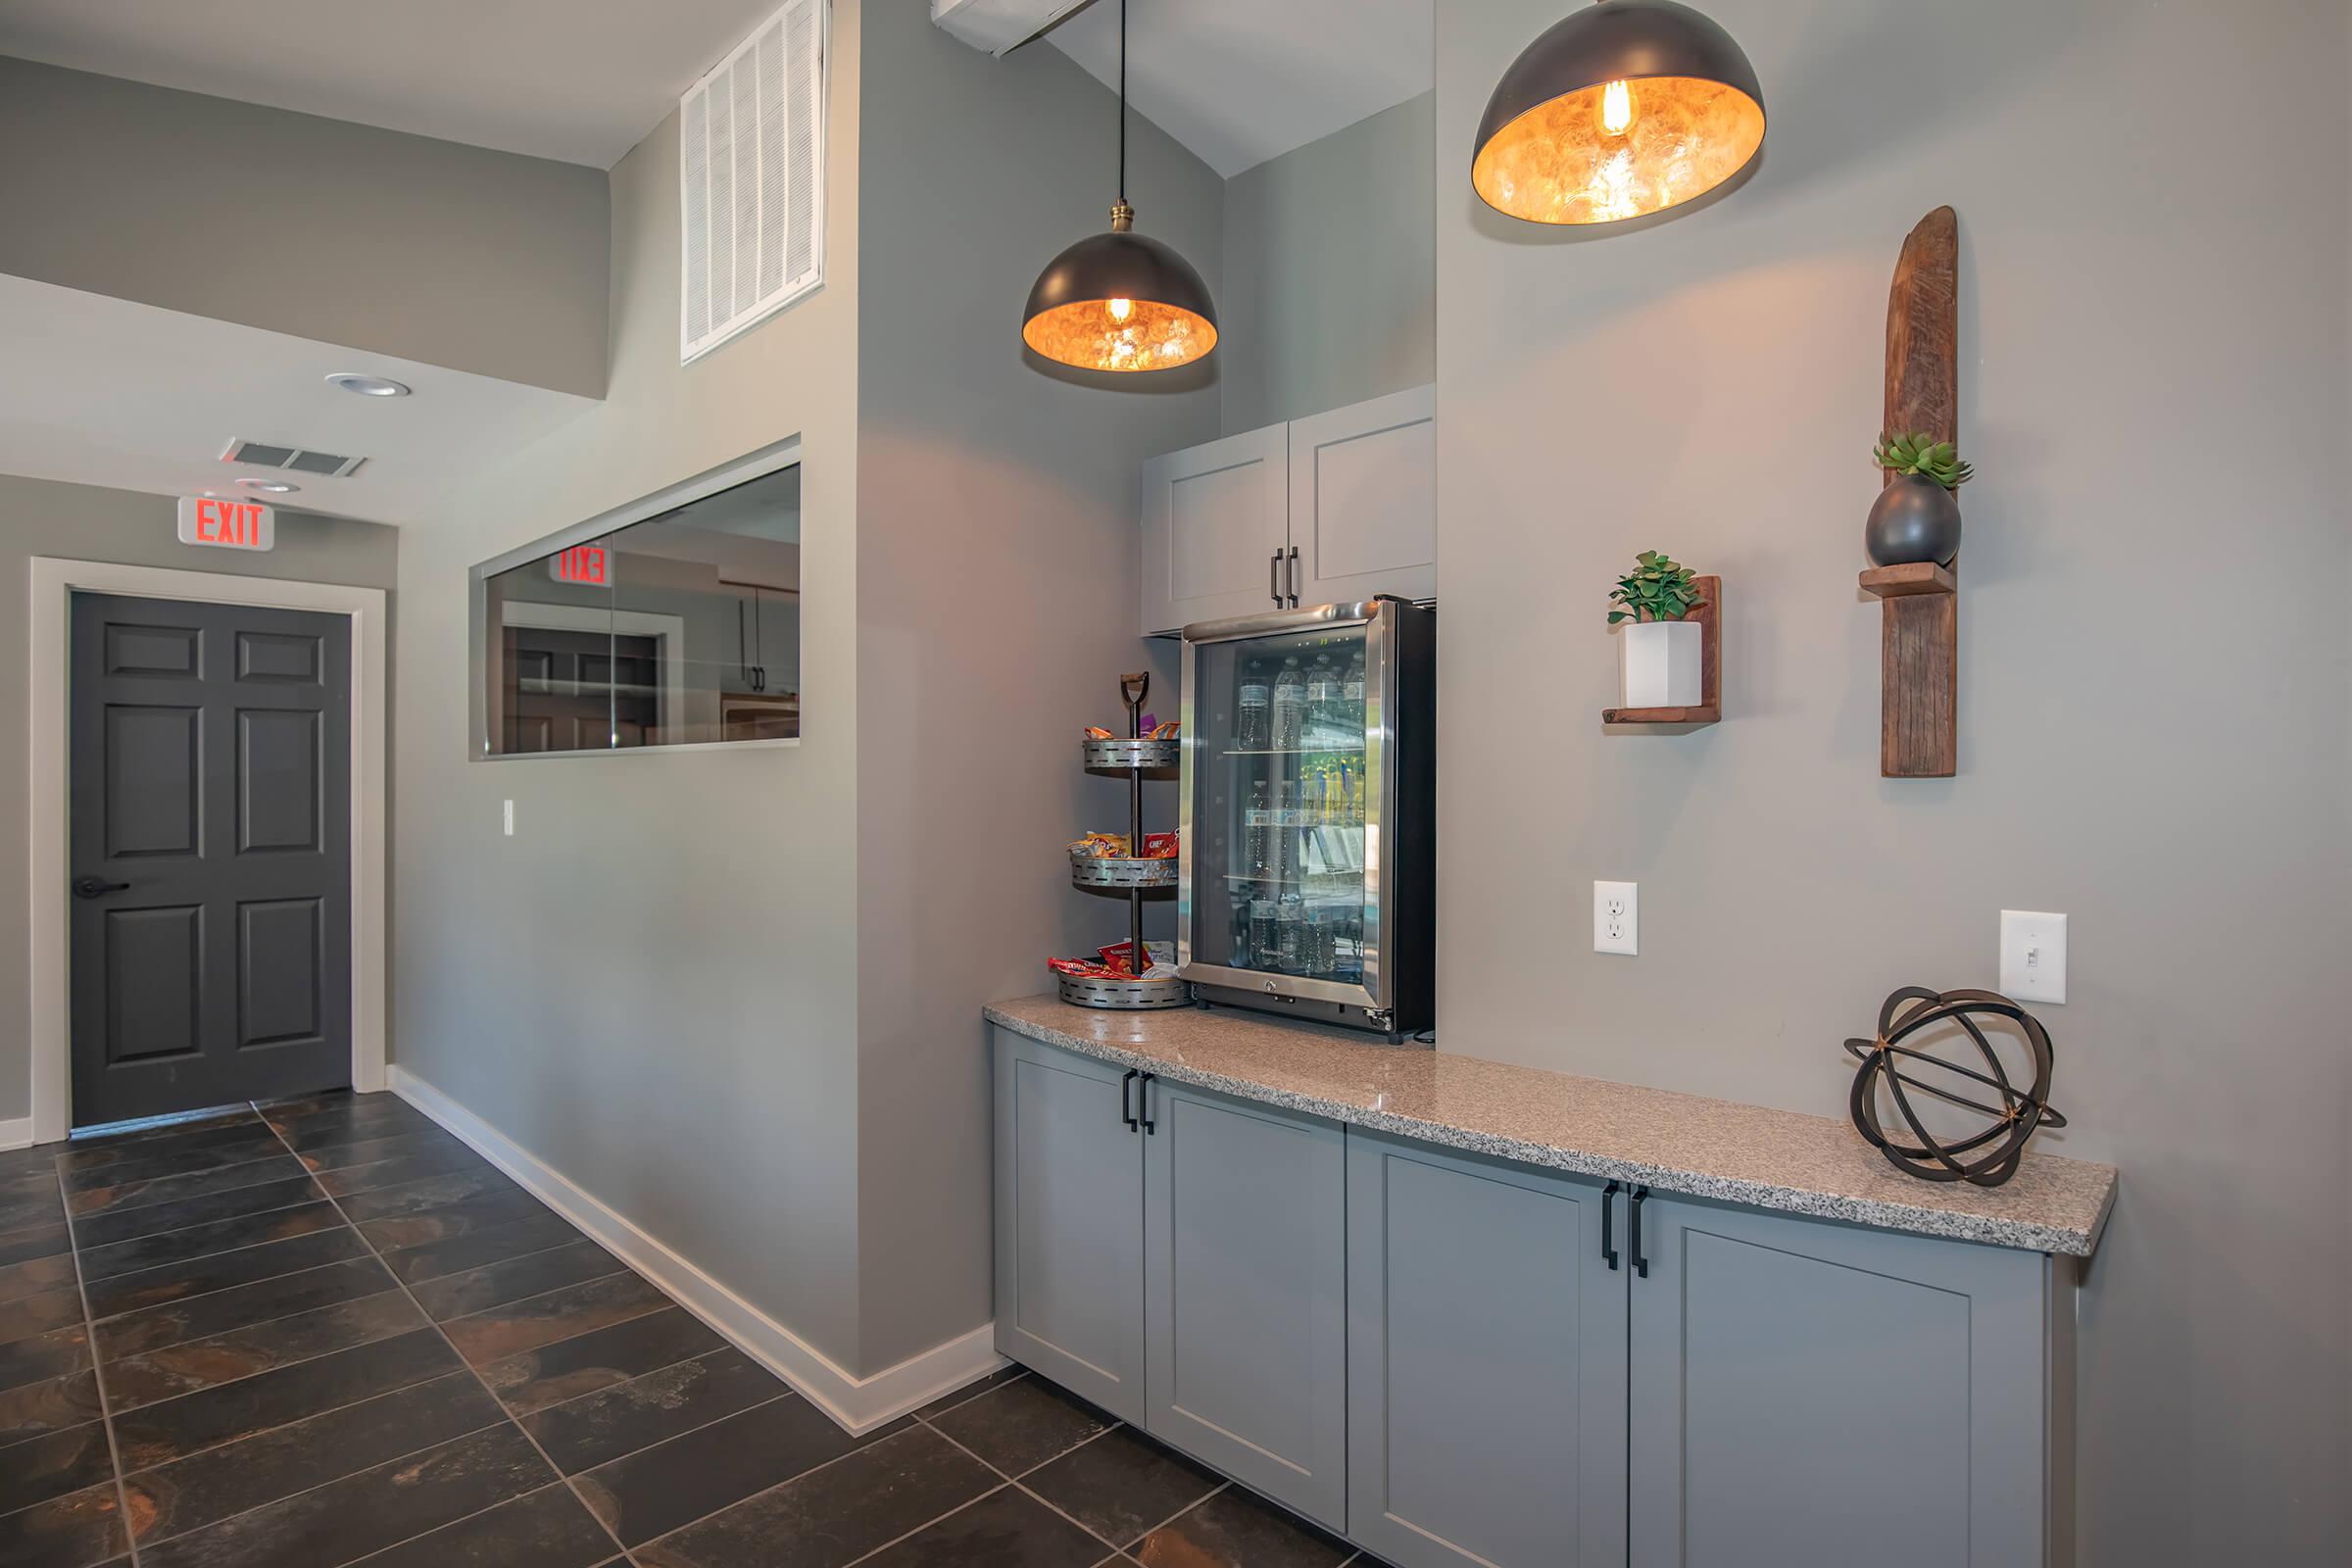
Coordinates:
(209, 854)
(1807, 1394)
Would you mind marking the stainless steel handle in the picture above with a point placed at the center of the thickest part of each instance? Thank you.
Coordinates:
(1294, 576)
(1274, 579)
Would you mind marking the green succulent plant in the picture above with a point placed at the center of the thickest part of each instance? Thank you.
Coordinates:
(1922, 454)
(1656, 589)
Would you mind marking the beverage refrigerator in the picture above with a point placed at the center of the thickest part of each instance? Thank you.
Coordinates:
(1308, 849)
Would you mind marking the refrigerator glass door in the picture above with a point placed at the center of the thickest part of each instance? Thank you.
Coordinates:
(1282, 811)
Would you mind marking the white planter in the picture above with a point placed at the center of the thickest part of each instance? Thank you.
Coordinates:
(1659, 661)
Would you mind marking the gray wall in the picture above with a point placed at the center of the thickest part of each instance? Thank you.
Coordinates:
(82, 523)
(372, 239)
(1330, 286)
(2153, 697)
(998, 554)
(652, 985)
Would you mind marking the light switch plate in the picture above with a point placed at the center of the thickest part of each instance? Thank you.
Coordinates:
(2033, 956)
(1617, 917)
(508, 819)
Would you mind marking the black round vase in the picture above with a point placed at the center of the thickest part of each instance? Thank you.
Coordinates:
(1913, 519)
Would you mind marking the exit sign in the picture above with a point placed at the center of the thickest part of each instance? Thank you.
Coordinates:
(585, 566)
(226, 525)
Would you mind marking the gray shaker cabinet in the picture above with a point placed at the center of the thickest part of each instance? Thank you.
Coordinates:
(1245, 1293)
(1069, 1205)
(1806, 1393)
(1486, 1362)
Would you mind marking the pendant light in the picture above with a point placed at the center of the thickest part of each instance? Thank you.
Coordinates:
(1120, 301)
(1623, 109)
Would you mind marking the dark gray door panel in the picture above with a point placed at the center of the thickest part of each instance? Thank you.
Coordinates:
(209, 842)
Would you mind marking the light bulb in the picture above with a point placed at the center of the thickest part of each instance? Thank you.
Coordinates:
(1121, 309)
(1617, 108)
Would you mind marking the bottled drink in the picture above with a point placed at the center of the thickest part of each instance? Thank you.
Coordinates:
(1322, 954)
(1349, 725)
(1253, 724)
(1323, 720)
(1265, 942)
(1290, 706)
(1258, 831)
(1290, 926)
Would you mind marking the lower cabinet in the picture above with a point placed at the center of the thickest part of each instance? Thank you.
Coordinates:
(1807, 1394)
(1069, 1205)
(1487, 1372)
(1463, 1363)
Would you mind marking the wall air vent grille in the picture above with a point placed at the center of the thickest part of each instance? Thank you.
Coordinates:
(263, 454)
(751, 180)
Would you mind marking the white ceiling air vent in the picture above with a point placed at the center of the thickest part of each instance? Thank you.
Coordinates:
(999, 27)
(751, 180)
(297, 460)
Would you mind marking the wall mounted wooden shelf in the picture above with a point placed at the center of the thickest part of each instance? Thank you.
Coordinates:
(1919, 659)
(1678, 720)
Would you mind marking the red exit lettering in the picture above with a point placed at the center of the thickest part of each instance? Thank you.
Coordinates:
(588, 565)
(225, 525)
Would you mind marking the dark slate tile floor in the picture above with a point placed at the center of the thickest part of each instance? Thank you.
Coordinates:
(324, 1331)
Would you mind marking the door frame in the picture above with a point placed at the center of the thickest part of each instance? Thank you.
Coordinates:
(54, 583)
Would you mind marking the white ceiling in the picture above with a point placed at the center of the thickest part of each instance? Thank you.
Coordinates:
(1240, 81)
(579, 80)
(110, 392)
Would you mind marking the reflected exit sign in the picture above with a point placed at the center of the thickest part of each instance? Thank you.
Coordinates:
(587, 566)
(226, 525)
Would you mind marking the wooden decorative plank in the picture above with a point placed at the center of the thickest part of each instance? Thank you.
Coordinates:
(1919, 707)
(1923, 332)
(1710, 666)
(1920, 658)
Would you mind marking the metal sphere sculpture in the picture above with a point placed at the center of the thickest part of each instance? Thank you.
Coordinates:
(1988, 1157)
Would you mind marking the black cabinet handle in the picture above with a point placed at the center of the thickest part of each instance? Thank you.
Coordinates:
(1126, 1115)
(1633, 1211)
(1294, 576)
(1608, 1223)
(96, 887)
(1274, 578)
(1150, 1126)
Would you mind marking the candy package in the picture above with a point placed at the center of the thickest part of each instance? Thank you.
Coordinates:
(1100, 847)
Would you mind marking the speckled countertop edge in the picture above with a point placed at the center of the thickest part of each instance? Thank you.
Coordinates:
(2054, 1205)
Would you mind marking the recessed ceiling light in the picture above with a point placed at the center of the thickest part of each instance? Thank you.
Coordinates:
(368, 386)
(276, 487)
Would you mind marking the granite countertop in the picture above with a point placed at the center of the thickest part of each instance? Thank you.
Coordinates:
(1676, 1142)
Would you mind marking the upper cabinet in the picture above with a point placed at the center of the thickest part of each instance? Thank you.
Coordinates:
(1330, 508)
(1364, 500)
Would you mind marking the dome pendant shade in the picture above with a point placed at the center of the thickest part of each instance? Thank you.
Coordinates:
(1622, 109)
(1120, 301)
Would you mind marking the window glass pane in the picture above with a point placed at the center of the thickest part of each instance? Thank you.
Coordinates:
(682, 628)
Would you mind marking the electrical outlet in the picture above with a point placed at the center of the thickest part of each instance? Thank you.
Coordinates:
(508, 819)
(1616, 918)
(2033, 956)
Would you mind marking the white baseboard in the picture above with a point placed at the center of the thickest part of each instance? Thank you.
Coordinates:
(17, 1134)
(857, 1404)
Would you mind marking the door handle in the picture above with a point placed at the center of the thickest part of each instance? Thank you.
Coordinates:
(1274, 578)
(1608, 1223)
(1144, 1106)
(1125, 1114)
(1294, 576)
(96, 887)
(1633, 1211)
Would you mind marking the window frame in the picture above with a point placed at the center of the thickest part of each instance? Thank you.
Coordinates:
(757, 465)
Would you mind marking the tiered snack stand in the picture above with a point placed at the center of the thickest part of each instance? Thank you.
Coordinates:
(1133, 875)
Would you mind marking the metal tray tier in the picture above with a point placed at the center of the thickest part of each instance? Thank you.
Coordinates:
(1129, 757)
(1125, 996)
(1092, 871)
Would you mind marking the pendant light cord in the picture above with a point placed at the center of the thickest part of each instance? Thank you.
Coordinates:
(1122, 103)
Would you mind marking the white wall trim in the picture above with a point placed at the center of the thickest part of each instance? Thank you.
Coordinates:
(54, 582)
(857, 1404)
(17, 1134)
